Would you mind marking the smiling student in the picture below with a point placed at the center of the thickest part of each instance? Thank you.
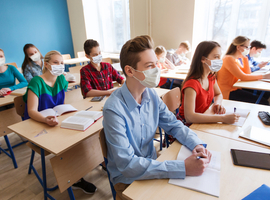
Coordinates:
(200, 88)
(97, 77)
(32, 63)
(131, 116)
(8, 76)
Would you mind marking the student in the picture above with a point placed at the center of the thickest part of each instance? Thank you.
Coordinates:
(8, 76)
(178, 57)
(131, 116)
(164, 64)
(32, 64)
(97, 77)
(256, 48)
(200, 88)
(47, 91)
(232, 70)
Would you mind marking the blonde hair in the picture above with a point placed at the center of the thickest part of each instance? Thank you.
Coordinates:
(2, 50)
(239, 40)
(160, 50)
(47, 58)
(185, 44)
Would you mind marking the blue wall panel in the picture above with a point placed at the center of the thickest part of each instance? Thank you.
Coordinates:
(44, 23)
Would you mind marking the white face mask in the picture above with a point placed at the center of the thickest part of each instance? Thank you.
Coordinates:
(257, 55)
(57, 70)
(2, 61)
(215, 65)
(35, 57)
(97, 59)
(152, 77)
(245, 52)
(161, 60)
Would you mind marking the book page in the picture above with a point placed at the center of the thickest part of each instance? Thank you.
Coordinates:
(48, 112)
(60, 109)
(77, 120)
(89, 114)
(242, 112)
(208, 182)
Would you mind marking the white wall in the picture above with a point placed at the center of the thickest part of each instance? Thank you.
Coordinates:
(77, 24)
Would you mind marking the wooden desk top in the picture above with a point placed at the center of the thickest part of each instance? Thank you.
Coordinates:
(19, 92)
(173, 75)
(236, 182)
(75, 60)
(231, 131)
(6, 100)
(253, 85)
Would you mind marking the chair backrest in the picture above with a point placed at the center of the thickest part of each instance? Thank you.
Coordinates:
(66, 56)
(107, 60)
(14, 64)
(172, 99)
(19, 105)
(81, 54)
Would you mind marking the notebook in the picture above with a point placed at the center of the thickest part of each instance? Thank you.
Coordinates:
(256, 134)
(81, 120)
(242, 112)
(58, 110)
(208, 182)
(261, 193)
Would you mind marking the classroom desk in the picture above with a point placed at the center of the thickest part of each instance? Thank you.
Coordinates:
(236, 182)
(231, 131)
(73, 61)
(9, 99)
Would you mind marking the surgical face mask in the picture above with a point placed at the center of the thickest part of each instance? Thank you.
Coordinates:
(2, 61)
(57, 70)
(257, 55)
(97, 59)
(152, 77)
(35, 57)
(161, 60)
(215, 65)
(245, 52)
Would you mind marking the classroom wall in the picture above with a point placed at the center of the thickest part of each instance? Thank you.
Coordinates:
(43, 23)
(77, 24)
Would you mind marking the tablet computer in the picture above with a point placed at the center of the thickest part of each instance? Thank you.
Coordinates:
(256, 134)
(100, 98)
(251, 159)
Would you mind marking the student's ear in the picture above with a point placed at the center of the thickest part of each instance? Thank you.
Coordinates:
(128, 70)
(203, 59)
(87, 56)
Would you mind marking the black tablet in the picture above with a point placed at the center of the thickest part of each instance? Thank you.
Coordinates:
(100, 98)
(251, 159)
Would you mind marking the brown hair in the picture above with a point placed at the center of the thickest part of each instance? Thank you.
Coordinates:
(185, 44)
(129, 54)
(196, 68)
(160, 50)
(239, 40)
(88, 45)
(2, 50)
(47, 58)
(257, 44)
(28, 60)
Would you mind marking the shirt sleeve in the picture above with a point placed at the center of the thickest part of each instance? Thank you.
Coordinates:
(85, 81)
(230, 64)
(116, 76)
(19, 76)
(27, 74)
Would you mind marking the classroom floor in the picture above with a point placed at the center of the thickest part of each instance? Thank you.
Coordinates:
(17, 184)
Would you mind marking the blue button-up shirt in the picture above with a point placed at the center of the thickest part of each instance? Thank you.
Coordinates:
(254, 65)
(130, 128)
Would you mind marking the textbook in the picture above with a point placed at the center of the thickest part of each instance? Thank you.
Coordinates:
(58, 110)
(81, 120)
(261, 193)
(208, 182)
(242, 112)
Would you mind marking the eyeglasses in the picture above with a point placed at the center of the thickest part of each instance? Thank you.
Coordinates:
(247, 47)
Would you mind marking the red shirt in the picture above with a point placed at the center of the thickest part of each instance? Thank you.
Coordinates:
(162, 80)
(91, 78)
(203, 98)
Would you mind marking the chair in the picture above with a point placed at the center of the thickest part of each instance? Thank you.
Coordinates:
(14, 64)
(172, 99)
(80, 54)
(66, 56)
(103, 145)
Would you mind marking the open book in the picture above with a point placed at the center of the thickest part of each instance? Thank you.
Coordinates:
(81, 120)
(208, 182)
(242, 112)
(58, 110)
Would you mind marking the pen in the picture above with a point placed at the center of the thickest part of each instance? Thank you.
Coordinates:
(89, 108)
(198, 157)
(234, 109)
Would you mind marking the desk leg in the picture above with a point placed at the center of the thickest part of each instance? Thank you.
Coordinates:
(260, 97)
(70, 192)
(11, 152)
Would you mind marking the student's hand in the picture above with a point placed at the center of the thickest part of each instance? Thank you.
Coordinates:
(266, 76)
(200, 149)
(230, 118)
(4, 91)
(262, 64)
(194, 166)
(218, 109)
(112, 90)
(51, 120)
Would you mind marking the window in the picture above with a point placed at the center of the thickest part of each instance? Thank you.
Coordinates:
(107, 21)
(223, 20)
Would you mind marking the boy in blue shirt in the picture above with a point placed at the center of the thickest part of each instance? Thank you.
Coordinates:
(131, 116)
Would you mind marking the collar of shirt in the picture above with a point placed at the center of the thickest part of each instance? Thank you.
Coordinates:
(35, 64)
(129, 99)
